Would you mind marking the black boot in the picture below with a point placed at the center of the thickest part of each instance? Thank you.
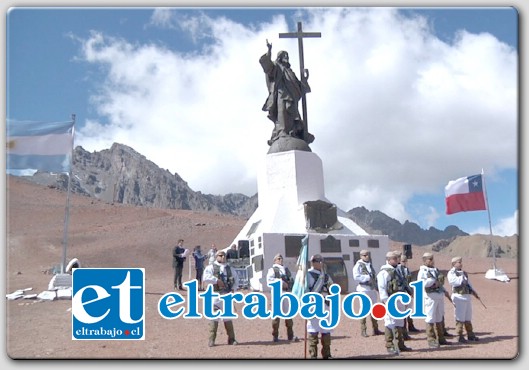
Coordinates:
(411, 327)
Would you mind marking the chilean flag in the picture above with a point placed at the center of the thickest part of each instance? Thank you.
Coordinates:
(465, 194)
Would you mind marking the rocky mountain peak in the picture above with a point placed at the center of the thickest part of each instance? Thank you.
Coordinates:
(122, 175)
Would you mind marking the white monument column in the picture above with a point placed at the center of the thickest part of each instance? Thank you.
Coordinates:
(287, 180)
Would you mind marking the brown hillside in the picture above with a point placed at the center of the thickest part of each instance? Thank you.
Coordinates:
(479, 246)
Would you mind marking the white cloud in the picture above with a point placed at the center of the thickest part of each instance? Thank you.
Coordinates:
(505, 227)
(431, 217)
(162, 17)
(395, 111)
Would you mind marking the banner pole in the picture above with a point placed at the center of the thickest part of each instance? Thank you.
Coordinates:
(67, 208)
(305, 350)
(490, 223)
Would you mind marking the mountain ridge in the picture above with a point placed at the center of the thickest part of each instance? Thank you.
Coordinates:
(122, 175)
(376, 222)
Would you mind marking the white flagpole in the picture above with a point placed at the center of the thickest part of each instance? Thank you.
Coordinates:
(490, 223)
(67, 208)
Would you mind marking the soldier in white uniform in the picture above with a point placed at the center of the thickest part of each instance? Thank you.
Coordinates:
(387, 281)
(224, 280)
(433, 300)
(364, 274)
(319, 282)
(408, 276)
(278, 272)
(462, 293)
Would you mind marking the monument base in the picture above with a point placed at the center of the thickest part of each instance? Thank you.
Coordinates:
(286, 143)
(292, 205)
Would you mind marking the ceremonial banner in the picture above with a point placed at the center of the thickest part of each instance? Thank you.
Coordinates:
(301, 283)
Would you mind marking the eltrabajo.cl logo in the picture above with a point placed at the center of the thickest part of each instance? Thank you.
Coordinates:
(108, 304)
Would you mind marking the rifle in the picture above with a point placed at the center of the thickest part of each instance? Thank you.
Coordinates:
(479, 299)
(402, 282)
(226, 288)
(475, 294)
(448, 296)
(284, 277)
(288, 281)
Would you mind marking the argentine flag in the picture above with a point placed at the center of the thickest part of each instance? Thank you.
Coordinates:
(44, 146)
(301, 283)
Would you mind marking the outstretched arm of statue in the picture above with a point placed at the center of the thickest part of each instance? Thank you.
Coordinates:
(266, 61)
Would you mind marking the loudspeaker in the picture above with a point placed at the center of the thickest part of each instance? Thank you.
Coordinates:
(406, 250)
(243, 248)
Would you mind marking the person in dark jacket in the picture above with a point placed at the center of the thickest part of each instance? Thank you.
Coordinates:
(199, 265)
(179, 257)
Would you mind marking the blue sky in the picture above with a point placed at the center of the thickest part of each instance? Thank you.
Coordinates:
(402, 101)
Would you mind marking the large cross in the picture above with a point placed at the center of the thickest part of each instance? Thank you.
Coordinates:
(300, 35)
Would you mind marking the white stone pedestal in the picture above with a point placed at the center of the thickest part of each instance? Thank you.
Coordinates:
(287, 180)
(285, 183)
